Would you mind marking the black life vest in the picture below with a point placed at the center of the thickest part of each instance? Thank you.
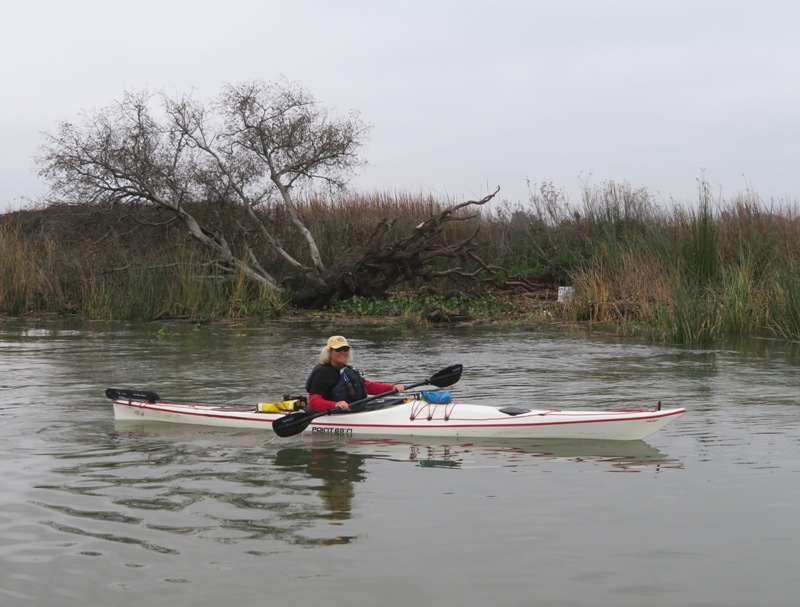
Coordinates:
(349, 388)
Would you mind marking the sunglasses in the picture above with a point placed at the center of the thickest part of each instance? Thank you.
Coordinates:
(342, 349)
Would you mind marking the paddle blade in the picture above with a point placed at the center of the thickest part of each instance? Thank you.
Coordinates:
(292, 424)
(446, 377)
(116, 393)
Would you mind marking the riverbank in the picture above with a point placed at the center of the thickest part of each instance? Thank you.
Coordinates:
(685, 275)
(540, 309)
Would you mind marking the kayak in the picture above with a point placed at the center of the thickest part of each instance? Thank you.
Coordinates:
(414, 416)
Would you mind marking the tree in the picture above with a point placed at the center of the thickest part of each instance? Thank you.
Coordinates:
(252, 149)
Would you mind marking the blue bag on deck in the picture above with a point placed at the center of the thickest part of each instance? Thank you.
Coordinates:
(438, 397)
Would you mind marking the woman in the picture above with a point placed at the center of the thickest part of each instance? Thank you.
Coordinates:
(334, 383)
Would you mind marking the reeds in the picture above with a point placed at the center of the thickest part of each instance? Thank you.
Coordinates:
(41, 276)
(723, 269)
(188, 289)
(684, 274)
(29, 273)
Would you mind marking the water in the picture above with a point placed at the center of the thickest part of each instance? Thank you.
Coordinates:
(97, 512)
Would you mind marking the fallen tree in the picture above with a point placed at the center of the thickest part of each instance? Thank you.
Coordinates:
(248, 154)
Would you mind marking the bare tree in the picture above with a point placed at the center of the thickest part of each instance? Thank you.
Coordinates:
(253, 148)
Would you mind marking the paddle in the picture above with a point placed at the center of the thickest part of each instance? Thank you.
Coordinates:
(116, 393)
(295, 423)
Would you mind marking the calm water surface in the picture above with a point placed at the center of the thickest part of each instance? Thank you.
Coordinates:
(97, 512)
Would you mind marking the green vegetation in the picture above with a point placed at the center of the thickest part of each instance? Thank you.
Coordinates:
(412, 309)
(690, 275)
(695, 276)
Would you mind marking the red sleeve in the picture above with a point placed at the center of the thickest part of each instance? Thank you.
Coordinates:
(374, 387)
(316, 402)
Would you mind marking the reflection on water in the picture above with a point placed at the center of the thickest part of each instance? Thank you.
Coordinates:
(613, 456)
(338, 472)
(161, 485)
(326, 459)
(158, 481)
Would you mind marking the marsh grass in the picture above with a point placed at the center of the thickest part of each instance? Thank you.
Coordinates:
(30, 279)
(43, 276)
(782, 313)
(182, 290)
(684, 274)
(698, 275)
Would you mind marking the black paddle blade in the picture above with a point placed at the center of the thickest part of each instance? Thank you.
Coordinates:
(292, 424)
(446, 377)
(116, 393)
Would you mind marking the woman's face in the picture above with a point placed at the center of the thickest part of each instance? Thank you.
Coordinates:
(339, 356)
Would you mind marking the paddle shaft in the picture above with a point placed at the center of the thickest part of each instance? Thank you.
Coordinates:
(363, 401)
(289, 426)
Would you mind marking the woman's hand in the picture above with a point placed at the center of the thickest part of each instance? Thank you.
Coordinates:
(399, 388)
(342, 404)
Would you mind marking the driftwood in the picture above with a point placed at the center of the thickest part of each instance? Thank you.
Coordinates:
(374, 268)
(440, 314)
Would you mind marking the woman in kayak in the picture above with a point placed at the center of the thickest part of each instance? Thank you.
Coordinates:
(334, 383)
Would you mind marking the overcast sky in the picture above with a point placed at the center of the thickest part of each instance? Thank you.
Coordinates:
(463, 95)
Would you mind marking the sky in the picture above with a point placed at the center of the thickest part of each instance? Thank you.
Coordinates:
(463, 96)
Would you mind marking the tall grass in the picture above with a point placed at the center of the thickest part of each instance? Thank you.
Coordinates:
(29, 276)
(782, 311)
(17, 272)
(721, 269)
(183, 290)
(682, 273)
(39, 276)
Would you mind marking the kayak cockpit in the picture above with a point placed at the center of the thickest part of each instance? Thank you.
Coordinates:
(515, 410)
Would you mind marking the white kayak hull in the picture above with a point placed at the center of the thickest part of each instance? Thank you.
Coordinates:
(418, 418)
